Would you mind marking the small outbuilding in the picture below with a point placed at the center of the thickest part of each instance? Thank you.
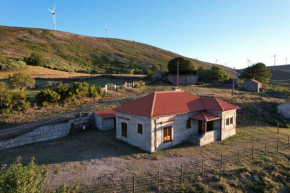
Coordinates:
(284, 110)
(253, 85)
(105, 120)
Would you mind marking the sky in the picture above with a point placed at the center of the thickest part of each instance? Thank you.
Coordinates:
(230, 31)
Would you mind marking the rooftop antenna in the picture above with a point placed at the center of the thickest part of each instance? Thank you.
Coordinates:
(274, 60)
(53, 17)
(107, 30)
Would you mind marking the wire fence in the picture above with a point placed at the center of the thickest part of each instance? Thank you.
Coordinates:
(272, 152)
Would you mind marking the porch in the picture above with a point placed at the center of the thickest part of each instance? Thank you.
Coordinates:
(208, 128)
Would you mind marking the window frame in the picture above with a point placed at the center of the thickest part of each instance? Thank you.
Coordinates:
(227, 121)
(124, 126)
(140, 128)
(188, 124)
(231, 120)
(167, 133)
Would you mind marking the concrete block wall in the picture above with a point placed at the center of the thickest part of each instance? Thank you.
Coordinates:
(103, 124)
(144, 140)
(209, 137)
(42, 133)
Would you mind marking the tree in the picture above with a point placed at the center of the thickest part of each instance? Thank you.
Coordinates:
(155, 68)
(81, 89)
(202, 73)
(35, 59)
(258, 72)
(64, 91)
(21, 81)
(46, 96)
(218, 74)
(185, 66)
(22, 179)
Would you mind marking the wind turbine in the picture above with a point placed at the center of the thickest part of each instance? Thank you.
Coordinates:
(248, 62)
(107, 30)
(216, 60)
(274, 59)
(286, 60)
(53, 16)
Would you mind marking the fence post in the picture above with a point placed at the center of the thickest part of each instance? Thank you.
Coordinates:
(278, 128)
(133, 184)
(181, 173)
(252, 152)
(99, 186)
(221, 161)
(265, 149)
(288, 142)
(277, 145)
(202, 168)
(158, 181)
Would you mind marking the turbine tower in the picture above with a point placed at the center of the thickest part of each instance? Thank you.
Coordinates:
(216, 60)
(286, 60)
(107, 30)
(274, 60)
(53, 17)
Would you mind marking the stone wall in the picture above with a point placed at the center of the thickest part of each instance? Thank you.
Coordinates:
(284, 110)
(42, 133)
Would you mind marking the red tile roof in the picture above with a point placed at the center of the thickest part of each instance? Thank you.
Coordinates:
(166, 103)
(107, 114)
(204, 116)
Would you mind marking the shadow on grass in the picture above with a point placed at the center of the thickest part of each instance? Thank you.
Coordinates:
(84, 146)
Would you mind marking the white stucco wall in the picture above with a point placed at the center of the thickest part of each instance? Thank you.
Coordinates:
(284, 110)
(228, 130)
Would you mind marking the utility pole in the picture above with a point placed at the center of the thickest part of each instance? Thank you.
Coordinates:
(234, 80)
(177, 76)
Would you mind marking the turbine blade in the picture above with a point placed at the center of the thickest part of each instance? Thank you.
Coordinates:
(50, 10)
(53, 8)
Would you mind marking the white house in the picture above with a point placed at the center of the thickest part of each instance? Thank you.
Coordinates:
(163, 119)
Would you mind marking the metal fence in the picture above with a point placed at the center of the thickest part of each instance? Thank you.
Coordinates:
(172, 179)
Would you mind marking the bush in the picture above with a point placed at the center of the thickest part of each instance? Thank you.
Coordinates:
(35, 59)
(95, 91)
(47, 96)
(64, 91)
(81, 89)
(12, 65)
(10, 101)
(139, 84)
(22, 179)
(21, 81)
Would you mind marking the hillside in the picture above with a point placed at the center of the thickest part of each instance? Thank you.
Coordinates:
(72, 52)
(280, 72)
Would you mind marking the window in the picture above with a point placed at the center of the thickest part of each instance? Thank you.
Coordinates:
(140, 128)
(167, 136)
(228, 121)
(210, 126)
(188, 124)
(124, 129)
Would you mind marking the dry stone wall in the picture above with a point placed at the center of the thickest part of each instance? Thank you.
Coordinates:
(42, 133)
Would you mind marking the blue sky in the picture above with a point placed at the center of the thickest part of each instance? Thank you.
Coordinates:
(228, 30)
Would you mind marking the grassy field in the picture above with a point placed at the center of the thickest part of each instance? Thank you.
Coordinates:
(93, 155)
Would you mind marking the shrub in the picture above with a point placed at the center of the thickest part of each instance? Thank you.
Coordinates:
(21, 81)
(22, 179)
(35, 59)
(10, 101)
(12, 65)
(139, 84)
(64, 91)
(47, 96)
(81, 89)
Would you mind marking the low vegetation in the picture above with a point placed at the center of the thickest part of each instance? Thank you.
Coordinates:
(7, 64)
(21, 81)
(214, 74)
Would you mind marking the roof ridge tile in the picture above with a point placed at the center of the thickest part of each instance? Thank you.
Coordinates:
(153, 105)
